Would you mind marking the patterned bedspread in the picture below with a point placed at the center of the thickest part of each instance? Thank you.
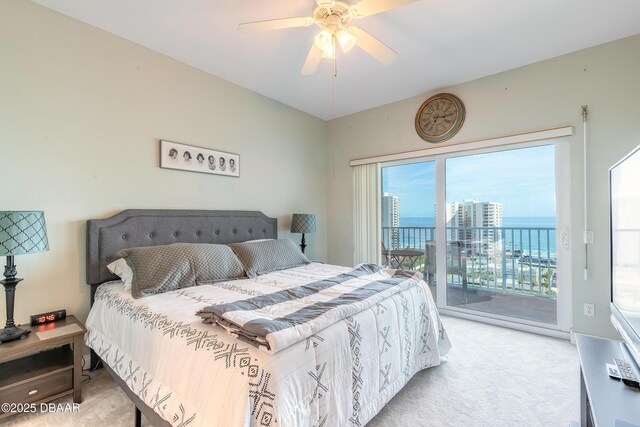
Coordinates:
(196, 374)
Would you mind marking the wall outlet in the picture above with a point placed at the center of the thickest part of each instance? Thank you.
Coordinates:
(589, 310)
(587, 236)
(564, 239)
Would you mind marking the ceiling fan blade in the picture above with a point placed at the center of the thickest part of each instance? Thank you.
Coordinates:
(373, 46)
(275, 24)
(371, 7)
(312, 61)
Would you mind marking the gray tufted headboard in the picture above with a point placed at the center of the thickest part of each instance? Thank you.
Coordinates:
(150, 227)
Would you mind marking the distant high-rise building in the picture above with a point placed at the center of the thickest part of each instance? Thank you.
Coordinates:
(391, 218)
(486, 216)
(455, 215)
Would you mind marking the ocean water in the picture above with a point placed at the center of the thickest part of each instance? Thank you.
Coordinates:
(516, 221)
(537, 243)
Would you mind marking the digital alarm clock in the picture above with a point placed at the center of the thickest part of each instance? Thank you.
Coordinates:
(49, 316)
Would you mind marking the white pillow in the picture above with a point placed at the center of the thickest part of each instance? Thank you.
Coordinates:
(120, 268)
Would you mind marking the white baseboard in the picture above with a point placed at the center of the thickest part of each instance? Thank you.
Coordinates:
(507, 324)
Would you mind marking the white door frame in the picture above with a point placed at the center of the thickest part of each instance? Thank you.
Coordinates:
(563, 253)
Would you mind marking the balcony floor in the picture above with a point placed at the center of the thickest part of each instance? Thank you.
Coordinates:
(529, 307)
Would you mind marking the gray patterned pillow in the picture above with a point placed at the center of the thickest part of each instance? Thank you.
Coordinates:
(270, 255)
(158, 269)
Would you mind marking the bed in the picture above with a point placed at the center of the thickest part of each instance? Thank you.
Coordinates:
(181, 371)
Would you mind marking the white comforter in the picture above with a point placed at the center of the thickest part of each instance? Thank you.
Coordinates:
(196, 374)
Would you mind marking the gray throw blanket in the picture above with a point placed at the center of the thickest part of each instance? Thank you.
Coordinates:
(275, 321)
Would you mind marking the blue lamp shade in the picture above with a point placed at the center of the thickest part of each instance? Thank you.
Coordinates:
(303, 223)
(22, 232)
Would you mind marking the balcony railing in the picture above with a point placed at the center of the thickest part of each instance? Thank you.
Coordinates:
(505, 259)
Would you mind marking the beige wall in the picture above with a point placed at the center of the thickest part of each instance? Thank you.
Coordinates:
(539, 96)
(81, 113)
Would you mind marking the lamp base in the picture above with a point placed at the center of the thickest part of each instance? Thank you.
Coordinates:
(303, 244)
(13, 333)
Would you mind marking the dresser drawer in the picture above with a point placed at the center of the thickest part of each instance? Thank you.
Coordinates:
(39, 388)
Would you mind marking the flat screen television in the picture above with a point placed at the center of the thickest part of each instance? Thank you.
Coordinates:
(624, 197)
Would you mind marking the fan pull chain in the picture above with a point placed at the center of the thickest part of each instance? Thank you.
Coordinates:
(333, 96)
(335, 76)
(335, 55)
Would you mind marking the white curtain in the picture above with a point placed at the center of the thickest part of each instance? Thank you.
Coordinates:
(366, 213)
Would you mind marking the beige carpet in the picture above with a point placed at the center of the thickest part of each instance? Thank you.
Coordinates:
(493, 377)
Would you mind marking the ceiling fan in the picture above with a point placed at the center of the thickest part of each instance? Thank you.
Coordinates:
(334, 17)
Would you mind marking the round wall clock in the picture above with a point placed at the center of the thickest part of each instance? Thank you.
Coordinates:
(439, 117)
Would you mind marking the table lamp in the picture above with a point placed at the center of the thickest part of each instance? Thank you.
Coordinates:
(21, 232)
(303, 223)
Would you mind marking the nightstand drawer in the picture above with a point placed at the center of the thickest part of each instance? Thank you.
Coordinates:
(39, 388)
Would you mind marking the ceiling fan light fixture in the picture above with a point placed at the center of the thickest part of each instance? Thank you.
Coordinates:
(329, 53)
(346, 40)
(324, 42)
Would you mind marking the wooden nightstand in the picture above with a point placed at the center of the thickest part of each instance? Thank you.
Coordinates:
(38, 370)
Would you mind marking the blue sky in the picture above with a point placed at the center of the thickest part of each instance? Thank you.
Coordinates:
(522, 180)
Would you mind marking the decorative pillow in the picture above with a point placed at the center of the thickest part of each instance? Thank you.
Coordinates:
(158, 269)
(267, 256)
(121, 269)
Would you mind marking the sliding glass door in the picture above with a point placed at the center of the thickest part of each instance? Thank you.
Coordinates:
(484, 228)
(501, 233)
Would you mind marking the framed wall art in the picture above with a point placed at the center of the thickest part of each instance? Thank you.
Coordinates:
(174, 155)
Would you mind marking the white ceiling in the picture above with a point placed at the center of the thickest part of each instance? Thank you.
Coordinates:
(440, 43)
